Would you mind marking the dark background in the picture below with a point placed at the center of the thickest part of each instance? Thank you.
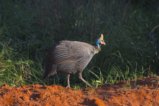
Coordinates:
(29, 27)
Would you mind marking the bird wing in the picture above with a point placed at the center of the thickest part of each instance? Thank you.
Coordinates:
(73, 51)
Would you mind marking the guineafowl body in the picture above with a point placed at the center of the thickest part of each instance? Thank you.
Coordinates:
(69, 57)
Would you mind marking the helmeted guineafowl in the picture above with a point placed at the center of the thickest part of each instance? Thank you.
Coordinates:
(71, 57)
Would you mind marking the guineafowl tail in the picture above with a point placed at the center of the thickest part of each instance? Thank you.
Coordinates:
(50, 70)
(48, 66)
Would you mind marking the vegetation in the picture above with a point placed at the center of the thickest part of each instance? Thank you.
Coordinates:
(29, 27)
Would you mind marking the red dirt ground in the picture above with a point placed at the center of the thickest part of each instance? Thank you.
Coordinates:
(143, 92)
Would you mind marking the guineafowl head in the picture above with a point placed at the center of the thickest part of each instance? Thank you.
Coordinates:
(100, 41)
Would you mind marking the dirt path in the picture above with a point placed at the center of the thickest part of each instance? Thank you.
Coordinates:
(144, 92)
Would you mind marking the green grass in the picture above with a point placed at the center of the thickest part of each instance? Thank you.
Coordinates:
(16, 72)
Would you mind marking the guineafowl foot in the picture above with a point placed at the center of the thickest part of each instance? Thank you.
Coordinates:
(81, 78)
(68, 86)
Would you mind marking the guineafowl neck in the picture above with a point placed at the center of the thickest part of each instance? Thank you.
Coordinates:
(97, 49)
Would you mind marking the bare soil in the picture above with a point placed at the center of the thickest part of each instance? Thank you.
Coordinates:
(142, 92)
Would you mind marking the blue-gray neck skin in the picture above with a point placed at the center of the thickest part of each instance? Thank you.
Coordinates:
(98, 43)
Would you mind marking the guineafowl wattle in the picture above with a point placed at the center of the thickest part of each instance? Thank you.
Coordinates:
(71, 57)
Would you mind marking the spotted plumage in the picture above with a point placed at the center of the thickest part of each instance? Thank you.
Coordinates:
(70, 57)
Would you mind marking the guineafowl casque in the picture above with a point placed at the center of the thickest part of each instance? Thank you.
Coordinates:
(71, 57)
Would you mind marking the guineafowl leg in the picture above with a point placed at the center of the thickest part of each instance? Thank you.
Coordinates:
(81, 78)
(68, 81)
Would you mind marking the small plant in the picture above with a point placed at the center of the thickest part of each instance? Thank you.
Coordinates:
(115, 74)
(76, 87)
(99, 78)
